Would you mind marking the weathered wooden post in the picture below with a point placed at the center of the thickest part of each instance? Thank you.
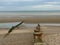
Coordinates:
(37, 35)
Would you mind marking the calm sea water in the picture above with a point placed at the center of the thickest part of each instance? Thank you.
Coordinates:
(25, 14)
(9, 25)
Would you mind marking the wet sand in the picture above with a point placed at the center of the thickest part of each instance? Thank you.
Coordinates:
(33, 19)
(17, 37)
(25, 36)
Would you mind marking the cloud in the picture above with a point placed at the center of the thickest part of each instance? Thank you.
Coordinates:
(17, 0)
(33, 7)
(41, 6)
(46, 7)
(52, 2)
(20, 5)
(8, 0)
(27, 8)
(27, 0)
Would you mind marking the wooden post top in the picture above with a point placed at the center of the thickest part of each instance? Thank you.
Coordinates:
(37, 28)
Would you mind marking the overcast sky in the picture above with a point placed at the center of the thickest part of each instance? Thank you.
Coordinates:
(24, 5)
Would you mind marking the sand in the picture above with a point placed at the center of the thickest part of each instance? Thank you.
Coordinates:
(25, 36)
(33, 19)
(17, 37)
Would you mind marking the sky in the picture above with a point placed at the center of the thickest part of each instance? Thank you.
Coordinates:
(29, 5)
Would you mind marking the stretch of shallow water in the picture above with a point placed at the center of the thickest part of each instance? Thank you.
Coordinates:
(9, 25)
(27, 13)
(8, 14)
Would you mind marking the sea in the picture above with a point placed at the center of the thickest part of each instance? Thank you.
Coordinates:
(25, 14)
